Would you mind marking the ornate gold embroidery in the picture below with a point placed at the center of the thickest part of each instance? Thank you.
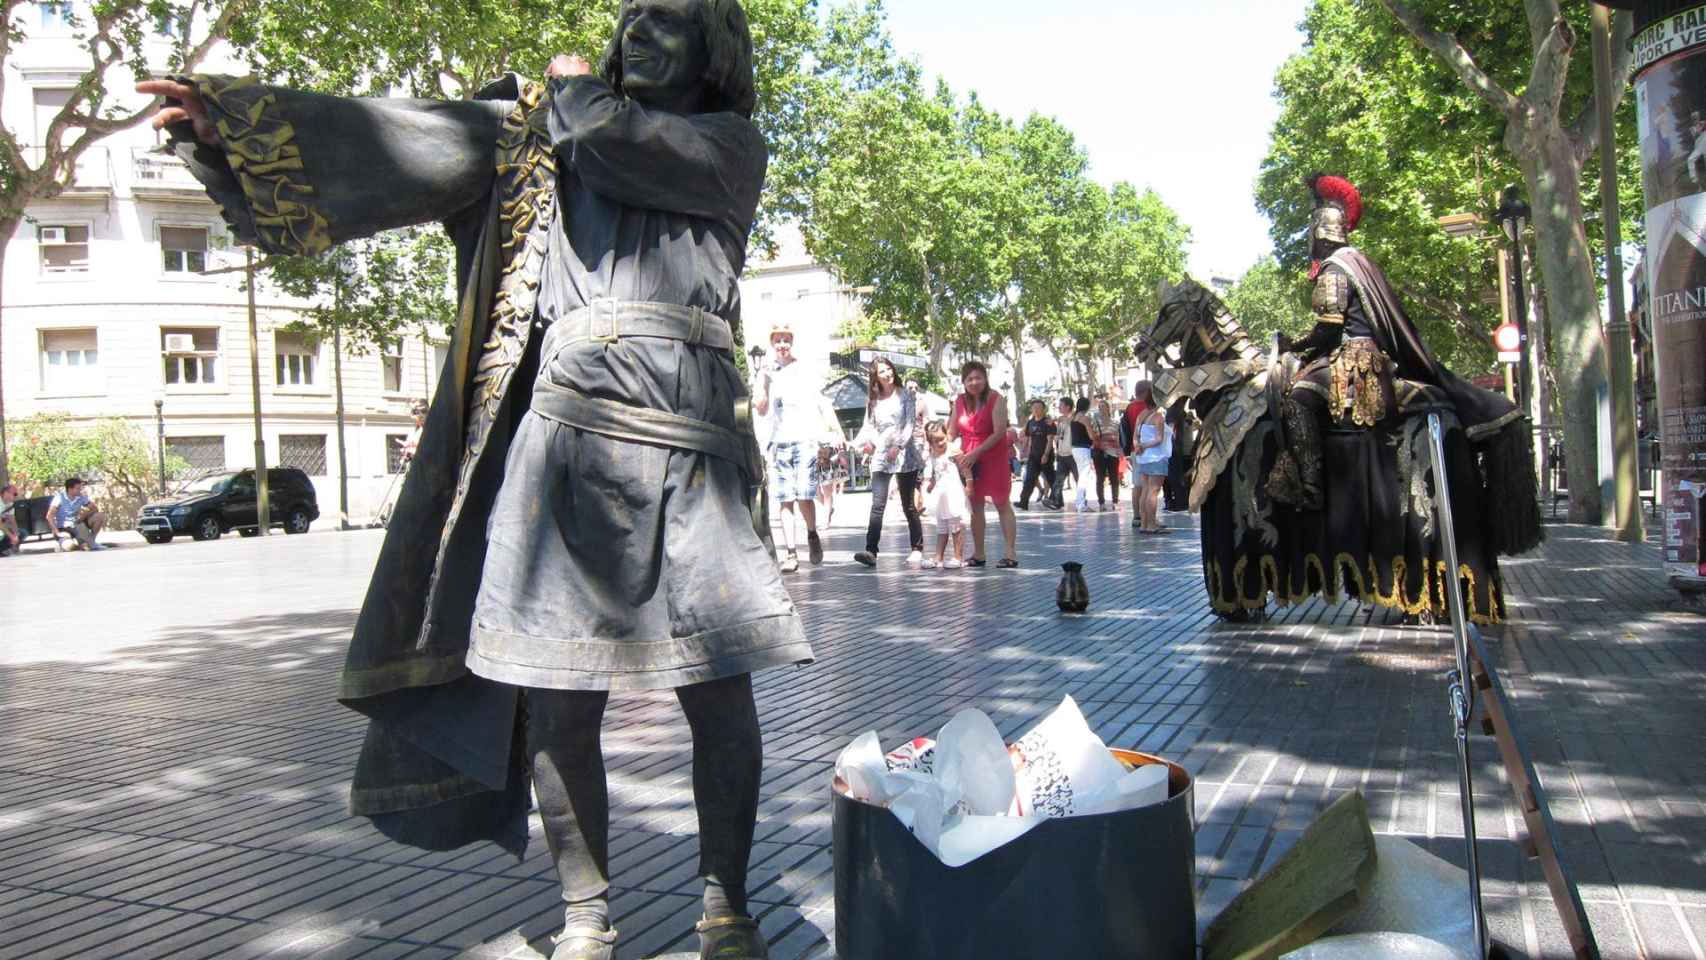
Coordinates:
(526, 184)
(1358, 390)
(261, 149)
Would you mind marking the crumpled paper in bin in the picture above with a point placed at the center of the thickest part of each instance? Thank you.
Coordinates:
(967, 792)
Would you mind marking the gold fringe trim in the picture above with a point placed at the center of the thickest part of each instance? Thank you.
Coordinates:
(262, 152)
(1348, 572)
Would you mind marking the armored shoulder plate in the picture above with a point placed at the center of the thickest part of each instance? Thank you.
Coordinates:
(1332, 296)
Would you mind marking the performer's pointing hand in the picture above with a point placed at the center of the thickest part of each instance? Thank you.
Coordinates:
(183, 102)
(568, 65)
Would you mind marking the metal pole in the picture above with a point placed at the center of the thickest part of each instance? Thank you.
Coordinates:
(1505, 317)
(263, 507)
(160, 439)
(343, 464)
(1628, 519)
(1462, 705)
(1527, 392)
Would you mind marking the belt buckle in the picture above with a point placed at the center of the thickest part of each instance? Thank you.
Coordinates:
(608, 306)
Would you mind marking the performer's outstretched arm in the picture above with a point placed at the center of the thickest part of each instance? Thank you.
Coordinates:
(708, 165)
(297, 172)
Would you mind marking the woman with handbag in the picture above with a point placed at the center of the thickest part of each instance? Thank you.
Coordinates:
(886, 438)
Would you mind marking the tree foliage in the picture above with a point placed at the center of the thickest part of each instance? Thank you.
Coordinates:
(1432, 107)
(112, 452)
(1270, 299)
(978, 233)
(375, 291)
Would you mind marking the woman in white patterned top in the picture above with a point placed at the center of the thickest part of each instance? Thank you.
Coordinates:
(886, 438)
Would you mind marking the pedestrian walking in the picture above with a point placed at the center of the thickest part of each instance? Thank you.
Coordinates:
(1083, 434)
(945, 487)
(792, 396)
(832, 470)
(886, 437)
(1106, 455)
(1039, 455)
(1154, 451)
(980, 424)
(1142, 397)
(1064, 464)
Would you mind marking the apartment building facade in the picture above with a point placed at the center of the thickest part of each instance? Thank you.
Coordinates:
(111, 309)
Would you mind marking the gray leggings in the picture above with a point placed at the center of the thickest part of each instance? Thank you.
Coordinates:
(563, 743)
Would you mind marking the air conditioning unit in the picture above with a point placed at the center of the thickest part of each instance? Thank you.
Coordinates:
(51, 235)
(180, 343)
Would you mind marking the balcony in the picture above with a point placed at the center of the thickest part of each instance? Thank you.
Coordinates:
(92, 178)
(161, 176)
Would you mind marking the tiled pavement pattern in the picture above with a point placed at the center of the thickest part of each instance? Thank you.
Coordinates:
(172, 766)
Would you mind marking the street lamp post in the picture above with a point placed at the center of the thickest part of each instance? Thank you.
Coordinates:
(160, 439)
(1512, 215)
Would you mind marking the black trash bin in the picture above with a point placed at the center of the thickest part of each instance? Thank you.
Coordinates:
(1114, 885)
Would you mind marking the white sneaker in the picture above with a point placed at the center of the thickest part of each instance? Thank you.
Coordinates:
(952, 565)
(915, 558)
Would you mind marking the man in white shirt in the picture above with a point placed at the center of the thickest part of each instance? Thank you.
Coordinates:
(792, 396)
(72, 513)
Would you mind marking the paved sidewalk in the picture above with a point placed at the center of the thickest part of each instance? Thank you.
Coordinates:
(172, 766)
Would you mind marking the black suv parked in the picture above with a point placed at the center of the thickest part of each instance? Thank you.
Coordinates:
(212, 505)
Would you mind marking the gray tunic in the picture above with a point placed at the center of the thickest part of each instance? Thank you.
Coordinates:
(612, 564)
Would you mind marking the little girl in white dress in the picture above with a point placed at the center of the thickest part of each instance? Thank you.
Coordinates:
(945, 492)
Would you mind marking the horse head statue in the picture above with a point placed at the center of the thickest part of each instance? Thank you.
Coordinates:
(1197, 323)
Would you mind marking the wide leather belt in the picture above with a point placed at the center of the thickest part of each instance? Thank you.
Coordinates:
(622, 421)
(609, 320)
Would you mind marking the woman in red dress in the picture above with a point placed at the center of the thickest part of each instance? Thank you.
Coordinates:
(980, 424)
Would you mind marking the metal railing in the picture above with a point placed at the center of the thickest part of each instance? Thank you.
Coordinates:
(151, 168)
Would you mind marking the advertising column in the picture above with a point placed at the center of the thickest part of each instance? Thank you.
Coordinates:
(1670, 97)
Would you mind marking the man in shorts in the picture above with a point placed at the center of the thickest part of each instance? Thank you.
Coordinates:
(792, 397)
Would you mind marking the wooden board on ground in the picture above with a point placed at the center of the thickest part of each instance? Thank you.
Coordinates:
(1318, 882)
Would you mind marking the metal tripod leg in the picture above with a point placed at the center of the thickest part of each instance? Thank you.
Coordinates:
(1474, 668)
(1462, 707)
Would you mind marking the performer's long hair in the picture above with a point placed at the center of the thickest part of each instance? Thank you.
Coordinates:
(728, 45)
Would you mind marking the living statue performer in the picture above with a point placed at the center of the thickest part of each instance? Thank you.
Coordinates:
(578, 518)
(1312, 473)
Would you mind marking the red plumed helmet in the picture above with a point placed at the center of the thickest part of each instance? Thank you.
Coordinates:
(1339, 192)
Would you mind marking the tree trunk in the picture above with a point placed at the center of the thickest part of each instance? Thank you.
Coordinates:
(1018, 399)
(8, 227)
(1561, 246)
(933, 314)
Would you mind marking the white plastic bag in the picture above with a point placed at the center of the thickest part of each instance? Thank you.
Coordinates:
(861, 766)
(972, 765)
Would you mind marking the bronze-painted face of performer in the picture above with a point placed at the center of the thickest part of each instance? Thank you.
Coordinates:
(664, 54)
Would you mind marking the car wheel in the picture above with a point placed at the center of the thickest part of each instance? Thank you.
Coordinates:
(159, 537)
(207, 527)
(248, 531)
(297, 521)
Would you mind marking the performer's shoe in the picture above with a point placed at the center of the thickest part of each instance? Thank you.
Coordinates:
(731, 938)
(584, 944)
(814, 548)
